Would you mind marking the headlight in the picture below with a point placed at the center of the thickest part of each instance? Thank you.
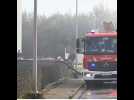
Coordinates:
(88, 75)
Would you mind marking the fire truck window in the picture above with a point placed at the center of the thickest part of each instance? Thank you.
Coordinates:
(101, 45)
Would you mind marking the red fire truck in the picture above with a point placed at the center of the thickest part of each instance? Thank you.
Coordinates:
(99, 52)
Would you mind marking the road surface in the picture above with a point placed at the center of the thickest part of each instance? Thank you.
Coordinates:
(77, 90)
(102, 92)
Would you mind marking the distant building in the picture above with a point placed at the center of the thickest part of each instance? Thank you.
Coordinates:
(108, 26)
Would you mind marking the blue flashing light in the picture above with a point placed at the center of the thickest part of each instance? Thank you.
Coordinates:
(91, 65)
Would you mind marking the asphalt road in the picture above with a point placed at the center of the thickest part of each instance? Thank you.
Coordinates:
(102, 92)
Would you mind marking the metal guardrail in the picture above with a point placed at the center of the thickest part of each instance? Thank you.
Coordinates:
(24, 74)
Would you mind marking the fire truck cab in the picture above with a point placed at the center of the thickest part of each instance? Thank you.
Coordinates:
(99, 57)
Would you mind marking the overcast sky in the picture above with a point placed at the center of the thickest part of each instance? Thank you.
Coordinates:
(49, 7)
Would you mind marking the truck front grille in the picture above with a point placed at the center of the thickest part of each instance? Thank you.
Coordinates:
(102, 66)
(105, 76)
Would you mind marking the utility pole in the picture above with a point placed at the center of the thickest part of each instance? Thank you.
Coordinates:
(35, 48)
(19, 26)
(76, 30)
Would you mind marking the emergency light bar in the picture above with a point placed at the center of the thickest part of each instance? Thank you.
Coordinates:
(96, 34)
